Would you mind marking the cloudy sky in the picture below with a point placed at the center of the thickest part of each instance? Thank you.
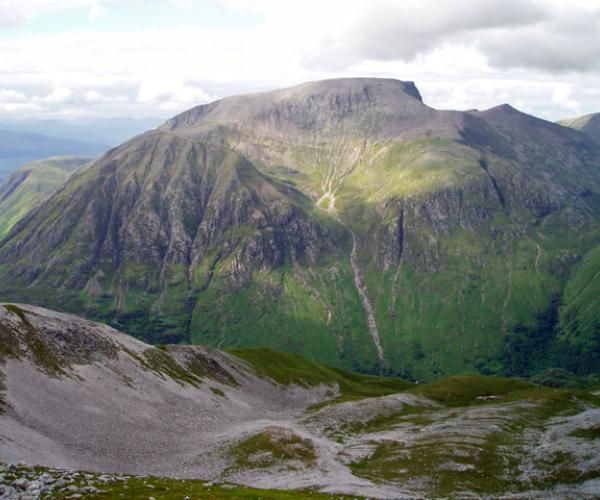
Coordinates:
(114, 58)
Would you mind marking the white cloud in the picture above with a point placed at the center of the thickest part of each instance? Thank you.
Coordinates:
(461, 54)
(95, 97)
(562, 96)
(11, 96)
(58, 95)
(18, 108)
(191, 95)
(97, 11)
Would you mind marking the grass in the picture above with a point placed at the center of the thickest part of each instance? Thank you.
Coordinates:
(12, 341)
(287, 368)
(162, 363)
(272, 447)
(144, 487)
(590, 433)
(205, 367)
(159, 488)
(43, 176)
(469, 389)
(445, 467)
(218, 392)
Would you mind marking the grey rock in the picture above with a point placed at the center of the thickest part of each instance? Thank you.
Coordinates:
(22, 483)
(47, 478)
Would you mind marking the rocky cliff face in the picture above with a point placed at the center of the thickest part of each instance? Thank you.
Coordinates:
(370, 225)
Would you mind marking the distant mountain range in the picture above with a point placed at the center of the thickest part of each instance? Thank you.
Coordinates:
(344, 220)
(22, 141)
(18, 148)
(110, 131)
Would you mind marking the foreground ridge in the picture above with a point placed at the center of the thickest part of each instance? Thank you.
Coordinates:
(79, 395)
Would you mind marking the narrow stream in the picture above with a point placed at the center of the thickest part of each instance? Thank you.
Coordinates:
(359, 282)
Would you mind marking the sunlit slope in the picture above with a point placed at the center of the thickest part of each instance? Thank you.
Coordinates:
(30, 184)
(385, 235)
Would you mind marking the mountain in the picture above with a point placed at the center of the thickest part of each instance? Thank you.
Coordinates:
(109, 131)
(18, 148)
(82, 396)
(385, 235)
(27, 186)
(590, 124)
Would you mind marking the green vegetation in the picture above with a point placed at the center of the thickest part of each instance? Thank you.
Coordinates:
(484, 461)
(465, 390)
(38, 179)
(590, 124)
(162, 363)
(578, 346)
(138, 488)
(14, 344)
(472, 244)
(144, 487)
(590, 433)
(196, 368)
(205, 367)
(272, 447)
(218, 392)
(286, 368)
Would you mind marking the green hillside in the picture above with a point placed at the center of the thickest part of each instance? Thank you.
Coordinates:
(30, 184)
(589, 124)
(342, 220)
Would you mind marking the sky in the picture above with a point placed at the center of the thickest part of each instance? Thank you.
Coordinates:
(90, 59)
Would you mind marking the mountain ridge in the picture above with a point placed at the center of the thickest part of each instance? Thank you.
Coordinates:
(457, 230)
(589, 124)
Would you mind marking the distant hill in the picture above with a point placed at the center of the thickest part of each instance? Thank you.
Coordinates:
(26, 187)
(18, 148)
(111, 131)
(590, 124)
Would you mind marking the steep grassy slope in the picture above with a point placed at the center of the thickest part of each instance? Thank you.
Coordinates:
(344, 220)
(196, 421)
(590, 124)
(28, 186)
(156, 236)
(579, 346)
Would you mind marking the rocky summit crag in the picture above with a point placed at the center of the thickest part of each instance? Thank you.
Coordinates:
(344, 220)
